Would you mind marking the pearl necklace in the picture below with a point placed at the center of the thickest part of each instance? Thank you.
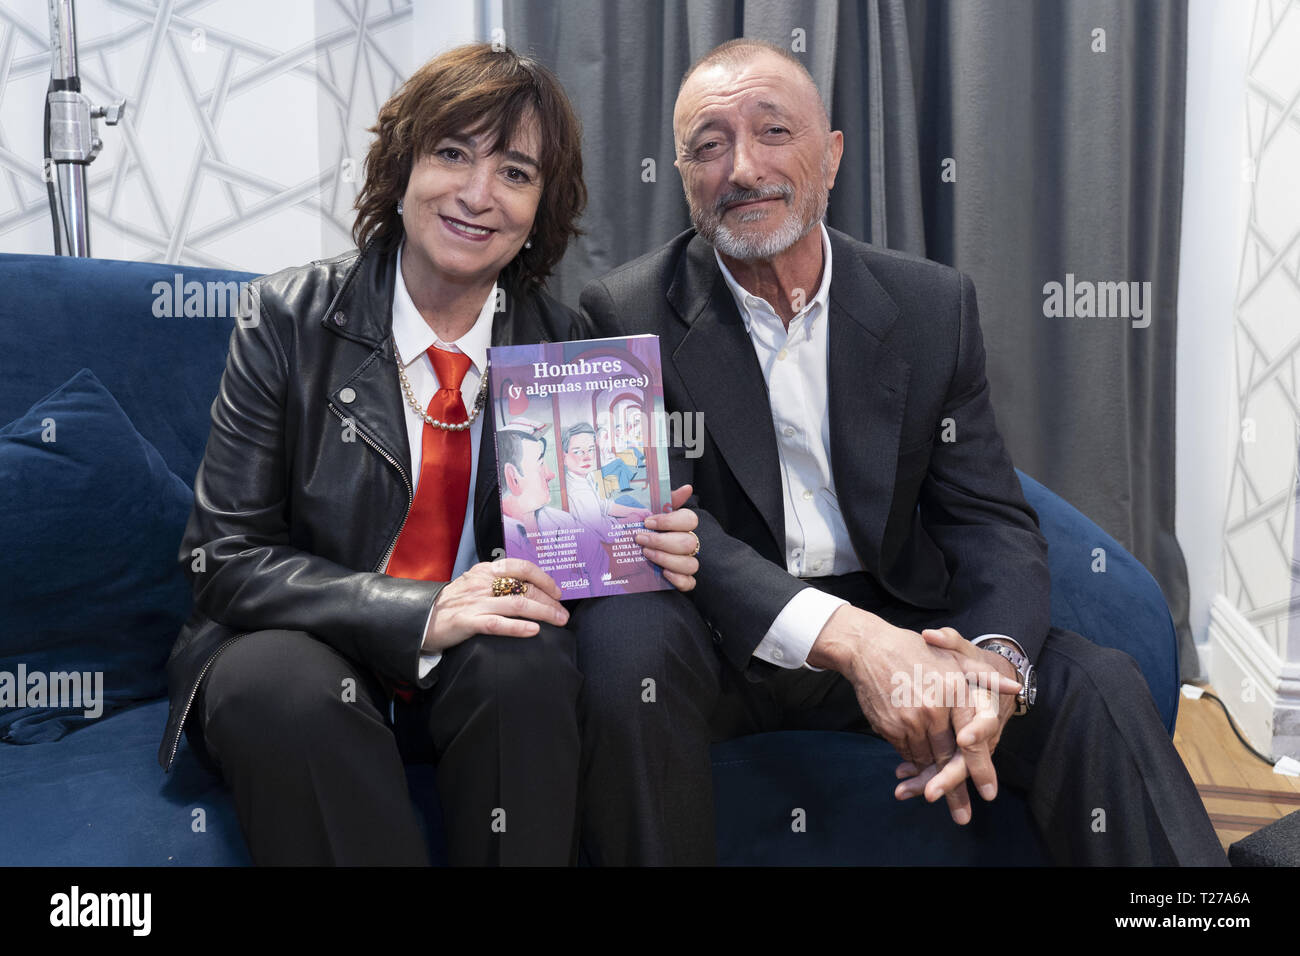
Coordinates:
(479, 400)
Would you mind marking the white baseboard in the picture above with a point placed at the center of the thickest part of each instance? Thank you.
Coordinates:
(1261, 690)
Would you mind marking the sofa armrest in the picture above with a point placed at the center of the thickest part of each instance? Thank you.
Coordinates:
(1121, 607)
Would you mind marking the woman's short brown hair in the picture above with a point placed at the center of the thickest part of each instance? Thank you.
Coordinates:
(473, 89)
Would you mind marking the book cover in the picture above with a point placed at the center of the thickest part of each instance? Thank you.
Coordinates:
(581, 459)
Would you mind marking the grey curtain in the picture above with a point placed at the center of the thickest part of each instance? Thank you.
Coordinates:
(1069, 161)
(1008, 138)
(621, 63)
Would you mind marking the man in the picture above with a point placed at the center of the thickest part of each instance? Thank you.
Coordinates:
(586, 499)
(839, 527)
(531, 525)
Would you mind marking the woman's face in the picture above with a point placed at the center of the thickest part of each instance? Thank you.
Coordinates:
(467, 212)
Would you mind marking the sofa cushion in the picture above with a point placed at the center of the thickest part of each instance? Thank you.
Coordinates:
(91, 517)
(818, 798)
(98, 798)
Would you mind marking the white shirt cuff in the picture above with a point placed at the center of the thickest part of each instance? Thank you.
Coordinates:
(427, 661)
(796, 628)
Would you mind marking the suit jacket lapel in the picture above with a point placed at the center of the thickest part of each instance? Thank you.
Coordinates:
(868, 388)
(487, 500)
(519, 324)
(721, 373)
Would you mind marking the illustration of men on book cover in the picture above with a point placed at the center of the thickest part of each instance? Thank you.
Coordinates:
(581, 459)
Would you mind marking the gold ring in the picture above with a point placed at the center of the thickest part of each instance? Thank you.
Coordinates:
(697, 543)
(503, 586)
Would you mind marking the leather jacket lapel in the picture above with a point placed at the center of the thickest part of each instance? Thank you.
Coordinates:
(362, 310)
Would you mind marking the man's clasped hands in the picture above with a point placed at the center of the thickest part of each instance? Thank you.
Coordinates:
(940, 701)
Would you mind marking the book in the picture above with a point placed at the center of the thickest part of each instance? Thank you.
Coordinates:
(582, 459)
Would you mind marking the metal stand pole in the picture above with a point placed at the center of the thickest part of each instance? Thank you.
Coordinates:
(71, 143)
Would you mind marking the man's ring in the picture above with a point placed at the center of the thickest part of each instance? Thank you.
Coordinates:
(697, 543)
(503, 586)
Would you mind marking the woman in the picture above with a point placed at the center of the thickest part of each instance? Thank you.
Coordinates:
(346, 515)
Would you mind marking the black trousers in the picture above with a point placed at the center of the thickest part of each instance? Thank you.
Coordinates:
(1096, 765)
(303, 738)
(651, 684)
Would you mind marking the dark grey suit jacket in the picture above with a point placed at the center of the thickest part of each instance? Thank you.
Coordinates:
(939, 525)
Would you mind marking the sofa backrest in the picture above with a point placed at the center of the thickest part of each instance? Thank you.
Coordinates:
(157, 335)
(127, 323)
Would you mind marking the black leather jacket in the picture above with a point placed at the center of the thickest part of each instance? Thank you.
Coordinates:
(291, 518)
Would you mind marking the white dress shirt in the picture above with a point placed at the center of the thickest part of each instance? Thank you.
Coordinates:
(795, 363)
(795, 366)
(414, 337)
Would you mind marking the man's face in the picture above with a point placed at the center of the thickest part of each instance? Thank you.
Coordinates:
(530, 483)
(756, 159)
(580, 459)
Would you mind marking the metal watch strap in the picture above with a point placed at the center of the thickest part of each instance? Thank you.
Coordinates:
(1009, 648)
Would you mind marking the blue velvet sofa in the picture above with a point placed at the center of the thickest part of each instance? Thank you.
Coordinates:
(96, 470)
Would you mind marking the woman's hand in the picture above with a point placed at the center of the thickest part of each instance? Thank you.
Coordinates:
(670, 541)
(466, 606)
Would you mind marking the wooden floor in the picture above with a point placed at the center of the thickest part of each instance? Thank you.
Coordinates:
(1241, 792)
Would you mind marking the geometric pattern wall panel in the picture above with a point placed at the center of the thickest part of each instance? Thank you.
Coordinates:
(1261, 576)
(245, 125)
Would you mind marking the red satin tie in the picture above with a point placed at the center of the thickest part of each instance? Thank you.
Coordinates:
(427, 545)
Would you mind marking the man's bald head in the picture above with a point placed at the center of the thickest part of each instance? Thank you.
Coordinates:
(741, 51)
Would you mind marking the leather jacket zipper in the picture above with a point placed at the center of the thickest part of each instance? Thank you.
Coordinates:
(410, 492)
(194, 692)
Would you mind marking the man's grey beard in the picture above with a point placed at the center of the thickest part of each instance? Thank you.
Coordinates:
(797, 224)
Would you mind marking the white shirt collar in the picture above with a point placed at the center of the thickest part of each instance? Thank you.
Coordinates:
(413, 335)
(820, 300)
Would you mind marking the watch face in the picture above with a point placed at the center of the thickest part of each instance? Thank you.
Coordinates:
(1031, 689)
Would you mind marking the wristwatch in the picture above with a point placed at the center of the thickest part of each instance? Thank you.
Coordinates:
(1010, 649)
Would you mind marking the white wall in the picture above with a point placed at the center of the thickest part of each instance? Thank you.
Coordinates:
(245, 124)
(1254, 592)
(1215, 198)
